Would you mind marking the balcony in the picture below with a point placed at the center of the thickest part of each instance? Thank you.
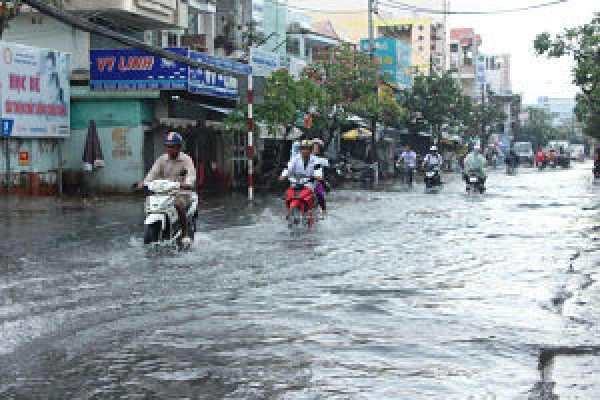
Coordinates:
(137, 14)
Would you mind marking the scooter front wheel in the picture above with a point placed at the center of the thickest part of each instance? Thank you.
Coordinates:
(152, 233)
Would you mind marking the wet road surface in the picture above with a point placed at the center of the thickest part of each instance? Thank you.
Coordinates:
(398, 295)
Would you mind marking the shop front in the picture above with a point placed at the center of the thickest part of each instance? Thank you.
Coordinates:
(35, 101)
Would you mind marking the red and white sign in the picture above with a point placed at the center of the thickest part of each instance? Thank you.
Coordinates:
(34, 90)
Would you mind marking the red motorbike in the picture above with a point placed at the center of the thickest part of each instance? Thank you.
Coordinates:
(300, 200)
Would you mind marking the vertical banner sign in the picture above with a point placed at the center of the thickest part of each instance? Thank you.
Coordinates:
(35, 91)
(7, 127)
(131, 69)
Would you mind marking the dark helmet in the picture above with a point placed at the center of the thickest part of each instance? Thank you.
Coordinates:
(173, 139)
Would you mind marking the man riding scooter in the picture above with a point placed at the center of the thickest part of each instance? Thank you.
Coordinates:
(433, 161)
(175, 166)
(304, 164)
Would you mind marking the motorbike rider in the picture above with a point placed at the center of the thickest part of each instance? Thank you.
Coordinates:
(320, 187)
(175, 166)
(433, 160)
(305, 164)
(475, 163)
(512, 159)
(409, 158)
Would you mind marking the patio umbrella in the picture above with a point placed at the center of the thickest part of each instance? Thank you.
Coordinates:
(357, 134)
(92, 153)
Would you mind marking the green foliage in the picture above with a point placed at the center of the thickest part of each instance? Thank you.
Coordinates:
(583, 44)
(434, 101)
(539, 128)
(486, 115)
(284, 97)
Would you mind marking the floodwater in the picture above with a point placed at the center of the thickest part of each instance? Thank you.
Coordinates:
(398, 295)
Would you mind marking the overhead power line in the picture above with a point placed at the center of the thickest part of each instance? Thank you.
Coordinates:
(322, 11)
(411, 7)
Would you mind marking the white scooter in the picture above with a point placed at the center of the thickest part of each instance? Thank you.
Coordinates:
(162, 226)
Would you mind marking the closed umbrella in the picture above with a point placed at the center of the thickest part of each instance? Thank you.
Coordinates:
(92, 153)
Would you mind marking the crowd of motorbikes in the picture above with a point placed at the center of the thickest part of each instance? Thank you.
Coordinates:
(163, 228)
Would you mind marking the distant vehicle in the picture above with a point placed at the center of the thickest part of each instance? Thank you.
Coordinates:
(577, 150)
(563, 152)
(524, 152)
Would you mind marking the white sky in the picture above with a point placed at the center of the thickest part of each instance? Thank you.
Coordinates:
(508, 33)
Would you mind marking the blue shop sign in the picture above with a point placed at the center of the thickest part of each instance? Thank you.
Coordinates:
(131, 69)
(212, 83)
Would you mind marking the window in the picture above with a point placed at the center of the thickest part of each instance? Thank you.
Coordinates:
(454, 47)
(421, 37)
(421, 48)
(421, 27)
(172, 40)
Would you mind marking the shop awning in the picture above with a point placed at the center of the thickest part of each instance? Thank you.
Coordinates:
(357, 134)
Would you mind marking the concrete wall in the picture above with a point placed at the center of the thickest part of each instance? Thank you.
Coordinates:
(121, 125)
(51, 34)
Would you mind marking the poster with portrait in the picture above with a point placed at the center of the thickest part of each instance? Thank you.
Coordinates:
(35, 90)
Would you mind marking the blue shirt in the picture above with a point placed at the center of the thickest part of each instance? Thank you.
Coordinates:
(410, 158)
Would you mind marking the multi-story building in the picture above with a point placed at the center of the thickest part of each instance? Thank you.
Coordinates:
(307, 40)
(467, 64)
(498, 74)
(131, 111)
(426, 38)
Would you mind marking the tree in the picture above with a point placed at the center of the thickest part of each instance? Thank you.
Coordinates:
(351, 81)
(435, 101)
(538, 129)
(11, 8)
(486, 115)
(285, 98)
(583, 44)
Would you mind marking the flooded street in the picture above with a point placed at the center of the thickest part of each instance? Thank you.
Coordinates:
(399, 294)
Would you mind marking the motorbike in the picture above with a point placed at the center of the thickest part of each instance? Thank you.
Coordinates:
(432, 177)
(300, 202)
(475, 183)
(162, 226)
(511, 169)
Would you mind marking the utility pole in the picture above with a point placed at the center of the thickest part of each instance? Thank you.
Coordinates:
(374, 157)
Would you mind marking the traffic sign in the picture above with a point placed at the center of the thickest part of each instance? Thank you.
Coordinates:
(7, 126)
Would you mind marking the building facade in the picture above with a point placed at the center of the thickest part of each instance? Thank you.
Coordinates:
(467, 64)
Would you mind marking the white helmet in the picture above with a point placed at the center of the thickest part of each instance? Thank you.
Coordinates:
(319, 142)
(433, 148)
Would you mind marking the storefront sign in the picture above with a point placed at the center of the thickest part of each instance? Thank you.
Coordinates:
(263, 62)
(35, 91)
(134, 70)
(211, 83)
(23, 158)
(7, 126)
(131, 69)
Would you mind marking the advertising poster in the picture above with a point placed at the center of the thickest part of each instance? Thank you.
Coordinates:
(34, 91)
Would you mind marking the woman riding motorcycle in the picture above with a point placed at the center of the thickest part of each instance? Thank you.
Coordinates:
(318, 146)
